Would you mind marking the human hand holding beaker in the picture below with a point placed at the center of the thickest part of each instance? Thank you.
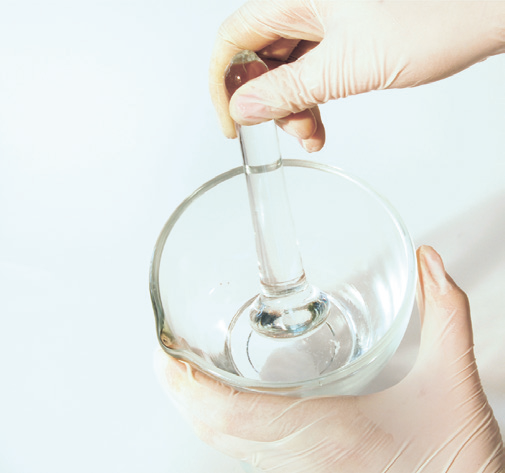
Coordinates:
(437, 418)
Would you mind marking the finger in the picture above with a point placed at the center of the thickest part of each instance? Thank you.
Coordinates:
(307, 127)
(445, 311)
(302, 48)
(205, 401)
(254, 26)
(225, 47)
(274, 58)
(301, 125)
(170, 374)
(240, 448)
(288, 89)
(317, 140)
(280, 50)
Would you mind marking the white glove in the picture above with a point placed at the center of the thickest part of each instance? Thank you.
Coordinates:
(435, 420)
(353, 46)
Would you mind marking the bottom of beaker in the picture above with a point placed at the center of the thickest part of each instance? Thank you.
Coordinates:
(324, 349)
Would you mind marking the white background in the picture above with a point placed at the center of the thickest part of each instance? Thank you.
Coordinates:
(105, 126)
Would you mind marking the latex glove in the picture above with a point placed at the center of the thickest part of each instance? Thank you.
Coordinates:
(353, 47)
(435, 420)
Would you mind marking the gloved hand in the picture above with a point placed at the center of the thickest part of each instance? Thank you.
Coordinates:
(435, 420)
(345, 48)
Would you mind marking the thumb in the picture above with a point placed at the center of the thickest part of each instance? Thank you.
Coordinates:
(290, 88)
(445, 313)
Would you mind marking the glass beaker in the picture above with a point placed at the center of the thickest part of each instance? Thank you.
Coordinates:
(354, 247)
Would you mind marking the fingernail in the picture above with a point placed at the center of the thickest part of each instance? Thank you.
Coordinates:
(435, 267)
(307, 146)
